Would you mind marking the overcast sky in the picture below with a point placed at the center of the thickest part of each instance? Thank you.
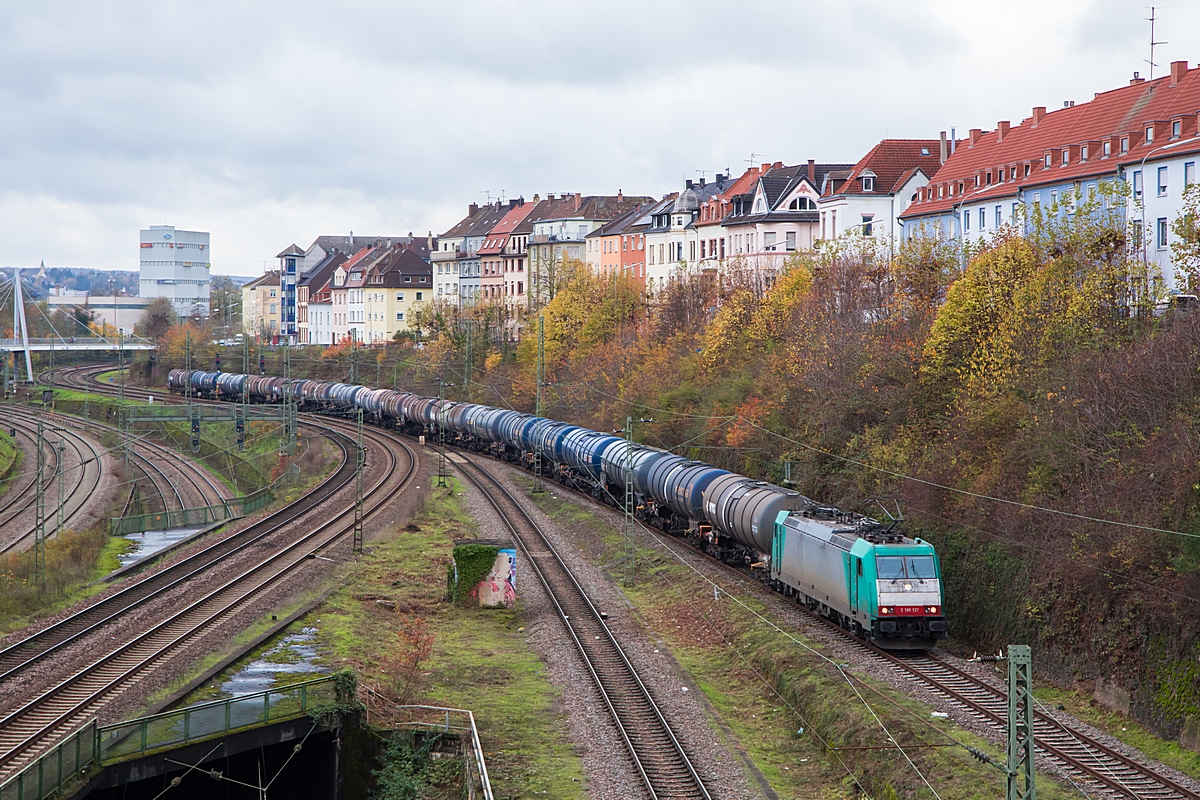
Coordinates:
(268, 123)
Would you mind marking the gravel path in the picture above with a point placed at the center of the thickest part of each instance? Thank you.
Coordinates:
(605, 760)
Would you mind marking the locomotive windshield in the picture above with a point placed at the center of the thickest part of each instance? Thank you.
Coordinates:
(895, 568)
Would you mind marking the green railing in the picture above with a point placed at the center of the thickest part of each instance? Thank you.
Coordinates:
(203, 515)
(63, 767)
(134, 739)
(166, 520)
(54, 770)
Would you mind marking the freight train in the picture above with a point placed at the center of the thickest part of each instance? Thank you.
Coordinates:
(856, 571)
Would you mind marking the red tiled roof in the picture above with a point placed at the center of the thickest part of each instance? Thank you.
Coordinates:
(1112, 115)
(497, 237)
(893, 162)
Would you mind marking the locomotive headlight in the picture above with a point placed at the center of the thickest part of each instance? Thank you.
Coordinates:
(908, 587)
(884, 610)
(932, 609)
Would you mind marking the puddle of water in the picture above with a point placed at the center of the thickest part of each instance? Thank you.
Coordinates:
(294, 654)
(151, 542)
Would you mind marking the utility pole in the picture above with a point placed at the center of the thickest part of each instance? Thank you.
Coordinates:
(630, 548)
(443, 469)
(467, 362)
(193, 411)
(60, 516)
(122, 413)
(1019, 765)
(353, 357)
(289, 403)
(1020, 723)
(240, 420)
(361, 457)
(541, 377)
(39, 518)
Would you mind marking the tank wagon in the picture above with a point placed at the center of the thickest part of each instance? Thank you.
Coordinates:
(859, 573)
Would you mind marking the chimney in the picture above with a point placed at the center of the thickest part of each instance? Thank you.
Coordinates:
(764, 167)
(812, 172)
(472, 210)
(1178, 70)
(429, 242)
(1002, 129)
(536, 199)
(975, 136)
(550, 197)
(620, 195)
(512, 203)
(943, 150)
(688, 183)
(1038, 113)
(701, 180)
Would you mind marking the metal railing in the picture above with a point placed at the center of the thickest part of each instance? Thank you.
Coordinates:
(63, 767)
(450, 720)
(200, 516)
(52, 771)
(123, 741)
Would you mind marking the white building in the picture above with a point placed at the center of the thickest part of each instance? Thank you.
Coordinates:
(176, 264)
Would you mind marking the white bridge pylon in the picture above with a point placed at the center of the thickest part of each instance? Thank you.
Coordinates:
(22, 342)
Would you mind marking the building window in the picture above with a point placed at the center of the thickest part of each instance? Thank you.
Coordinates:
(400, 296)
(769, 241)
(1014, 210)
(868, 183)
(1083, 153)
(1162, 181)
(1189, 174)
(1047, 161)
(420, 295)
(966, 221)
(1107, 149)
(1176, 129)
(1149, 134)
(982, 219)
(791, 240)
(1124, 144)
(1066, 157)
(1037, 199)
(866, 224)
(408, 278)
(400, 316)
(1028, 169)
(1137, 184)
(1161, 233)
(999, 215)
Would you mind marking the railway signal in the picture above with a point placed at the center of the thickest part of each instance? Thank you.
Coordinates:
(240, 425)
(218, 361)
(195, 430)
(262, 363)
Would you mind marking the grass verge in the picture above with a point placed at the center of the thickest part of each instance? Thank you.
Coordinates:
(812, 729)
(10, 459)
(479, 658)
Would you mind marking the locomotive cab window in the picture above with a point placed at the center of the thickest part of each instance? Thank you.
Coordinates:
(890, 568)
(895, 568)
(920, 567)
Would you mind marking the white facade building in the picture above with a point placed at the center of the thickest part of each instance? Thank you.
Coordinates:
(176, 264)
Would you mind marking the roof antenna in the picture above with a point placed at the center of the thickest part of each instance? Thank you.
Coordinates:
(753, 159)
(1153, 43)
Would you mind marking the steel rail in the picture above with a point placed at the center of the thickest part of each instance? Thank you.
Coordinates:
(657, 755)
(78, 443)
(40, 720)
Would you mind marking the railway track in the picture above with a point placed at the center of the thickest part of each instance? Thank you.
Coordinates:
(55, 712)
(82, 466)
(1092, 765)
(658, 757)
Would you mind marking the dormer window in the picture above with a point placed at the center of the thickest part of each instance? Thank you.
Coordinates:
(1083, 153)
(1176, 129)
(1066, 156)
(1124, 144)
(924, 151)
(801, 204)
(868, 183)
(1149, 134)
(1107, 149)
(1048, 158)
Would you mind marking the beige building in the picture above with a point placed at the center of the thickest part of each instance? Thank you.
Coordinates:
(260, 307)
